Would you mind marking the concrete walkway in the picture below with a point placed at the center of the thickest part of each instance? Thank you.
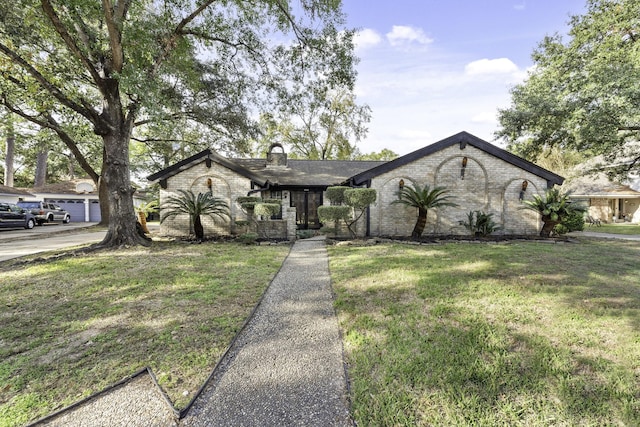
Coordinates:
(286, 367)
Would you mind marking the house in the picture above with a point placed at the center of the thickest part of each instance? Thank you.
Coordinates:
(479, 175)
(12, 195)
(79, 197)
(605, 200)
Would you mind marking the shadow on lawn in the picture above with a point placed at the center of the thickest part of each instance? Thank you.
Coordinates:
(491, 334)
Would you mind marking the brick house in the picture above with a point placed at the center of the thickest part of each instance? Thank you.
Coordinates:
(479, 175)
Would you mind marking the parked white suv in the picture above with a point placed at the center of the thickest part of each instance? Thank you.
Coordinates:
(45, 212)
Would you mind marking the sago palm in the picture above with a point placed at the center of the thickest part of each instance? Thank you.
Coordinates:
(423, 199)
(196, 206)
(553, 208)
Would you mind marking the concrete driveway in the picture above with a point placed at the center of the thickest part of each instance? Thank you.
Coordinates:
(15, 243)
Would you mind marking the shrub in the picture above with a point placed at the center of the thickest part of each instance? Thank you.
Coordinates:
(248, 202)
(267, 209)
(573, 222)
(480, 224)
(336, 194)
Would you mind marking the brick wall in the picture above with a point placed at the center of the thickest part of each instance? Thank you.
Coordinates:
(225, 184)
(489, 184)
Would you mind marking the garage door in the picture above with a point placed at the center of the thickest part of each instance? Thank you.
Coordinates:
(94, 211)
(74, 207)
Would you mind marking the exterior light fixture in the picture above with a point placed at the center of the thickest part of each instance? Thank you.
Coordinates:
(401, 184)
(463, 168)
(523, 189)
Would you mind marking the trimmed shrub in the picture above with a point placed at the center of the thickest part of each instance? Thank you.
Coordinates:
(248, 202)
(336, 194)
(359, 198)
(267, 209)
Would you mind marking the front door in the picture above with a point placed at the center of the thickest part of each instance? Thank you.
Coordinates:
(306, 203)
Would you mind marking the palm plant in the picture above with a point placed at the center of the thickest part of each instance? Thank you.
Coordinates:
(424, 199)
(195, 205)
(553, 208)
(143, 212)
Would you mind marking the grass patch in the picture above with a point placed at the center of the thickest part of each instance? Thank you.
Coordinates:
(526, 333)
(72, 327)
(622, 228)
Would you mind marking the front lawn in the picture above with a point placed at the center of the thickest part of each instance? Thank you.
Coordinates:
(74, 326)
(530, 334)
(622, 228)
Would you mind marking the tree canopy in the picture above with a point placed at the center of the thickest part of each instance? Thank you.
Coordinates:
(584, 91)
(123, 68)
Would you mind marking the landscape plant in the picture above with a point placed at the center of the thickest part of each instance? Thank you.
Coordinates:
(195, 206)
(423, 199)
(480, 223)
(347, 205)
(143, 212)
(554, 207)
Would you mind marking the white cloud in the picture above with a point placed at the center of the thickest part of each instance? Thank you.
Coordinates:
(401, 34)
(491, 66)
(367, 38)
(520, 6)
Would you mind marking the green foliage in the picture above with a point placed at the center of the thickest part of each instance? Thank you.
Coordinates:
(359, 198)
(147, 208)
(480, 223)
(572, 222)
(248, 202)
(336, 194)
(423, 198)
(334, 213)
(195, 206)
(554, 208)
(583, 92)
(267, 209)
(320, 122)
(272, 201)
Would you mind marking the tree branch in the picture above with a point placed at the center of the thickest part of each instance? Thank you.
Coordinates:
(50, 123)
(71, 44)
(84, 110)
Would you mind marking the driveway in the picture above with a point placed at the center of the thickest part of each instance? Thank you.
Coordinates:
(15, 243)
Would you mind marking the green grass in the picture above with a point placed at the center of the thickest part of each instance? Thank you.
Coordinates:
(74, 326)
(529, 334)
(622, 228)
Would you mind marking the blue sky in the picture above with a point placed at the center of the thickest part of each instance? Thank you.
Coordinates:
(432, 68)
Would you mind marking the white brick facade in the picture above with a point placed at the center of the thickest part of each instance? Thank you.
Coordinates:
(490, 184)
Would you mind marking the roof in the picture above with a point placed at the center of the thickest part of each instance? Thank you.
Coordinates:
(308, 173)
(205, 156)
(599, 186)
(463, 139)
(75, 186)
(325, 173)
(11, 191)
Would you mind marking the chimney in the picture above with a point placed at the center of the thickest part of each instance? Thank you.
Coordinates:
(276, 159)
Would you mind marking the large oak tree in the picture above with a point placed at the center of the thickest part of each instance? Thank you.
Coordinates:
(120, 65)
(584, 91)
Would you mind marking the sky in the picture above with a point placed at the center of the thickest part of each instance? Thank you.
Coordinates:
(432, 68)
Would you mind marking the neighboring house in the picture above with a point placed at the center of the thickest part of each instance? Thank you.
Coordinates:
(79, 197)
(606, 201)
(12, 195)
(479, 175)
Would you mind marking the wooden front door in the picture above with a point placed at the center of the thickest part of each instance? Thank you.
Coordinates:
(306, 203)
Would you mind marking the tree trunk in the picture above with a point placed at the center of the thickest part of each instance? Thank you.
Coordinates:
(8, 162)
(116, 177)
(547, 227)
(41, 168)
(198, 228)
(421, 223)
